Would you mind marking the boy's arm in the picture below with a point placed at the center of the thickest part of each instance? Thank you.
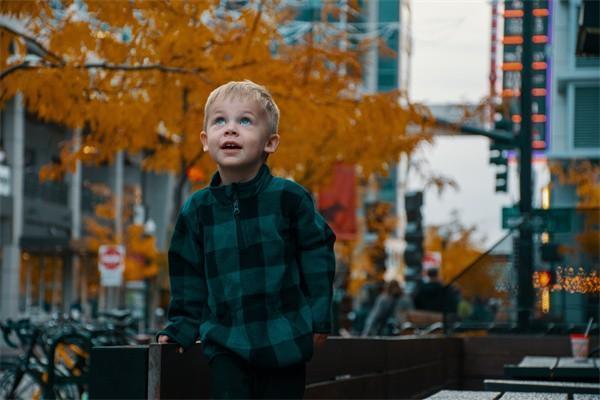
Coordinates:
(317, 261)
(186, 275)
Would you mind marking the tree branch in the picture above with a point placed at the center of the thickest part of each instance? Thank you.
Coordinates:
(308, 66)
(39, 48)
(124, 67)
(253, 29)
(34, 42)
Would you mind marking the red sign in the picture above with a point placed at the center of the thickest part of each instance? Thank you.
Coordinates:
(111, 263)
(111, 257)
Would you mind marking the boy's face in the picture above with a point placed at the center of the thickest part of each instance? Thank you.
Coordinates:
(237, 136)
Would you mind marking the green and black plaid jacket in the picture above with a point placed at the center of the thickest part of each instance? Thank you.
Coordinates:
(251, 268)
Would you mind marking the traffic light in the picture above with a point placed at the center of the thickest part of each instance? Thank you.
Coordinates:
(550, 252)
(544, 279)
(413, 235)
(502, 180)
(499, 157)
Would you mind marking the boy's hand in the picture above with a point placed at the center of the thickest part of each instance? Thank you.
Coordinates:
(319, 339)
(164, 339)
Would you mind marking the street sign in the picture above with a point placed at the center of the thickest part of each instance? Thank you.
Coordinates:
(552, 220)
(511, 218)
(111, 263)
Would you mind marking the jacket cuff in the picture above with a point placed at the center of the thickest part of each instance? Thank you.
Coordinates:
(176, 333)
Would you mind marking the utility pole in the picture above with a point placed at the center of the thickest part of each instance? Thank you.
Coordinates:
(525, 256)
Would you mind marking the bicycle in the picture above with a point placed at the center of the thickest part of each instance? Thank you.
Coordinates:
(36, 373)
(55, 354)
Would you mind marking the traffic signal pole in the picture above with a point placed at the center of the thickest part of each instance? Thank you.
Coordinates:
(524, 258)
(499, 136)
(525, 243)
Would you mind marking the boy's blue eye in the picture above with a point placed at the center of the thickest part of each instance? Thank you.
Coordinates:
(245, 121)
(219, 121)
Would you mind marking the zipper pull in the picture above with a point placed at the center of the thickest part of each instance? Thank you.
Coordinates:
(236, 208)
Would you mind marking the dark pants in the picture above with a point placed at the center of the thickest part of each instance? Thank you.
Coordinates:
(231, 377)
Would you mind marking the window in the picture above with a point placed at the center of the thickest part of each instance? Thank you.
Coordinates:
(587, 118)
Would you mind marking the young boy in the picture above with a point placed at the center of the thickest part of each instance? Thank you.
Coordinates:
(251, 261)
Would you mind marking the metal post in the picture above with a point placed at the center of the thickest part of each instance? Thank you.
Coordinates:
(525, 257)
(118, 190)
(114, 298)
(75, 205)
(344, 28)
(372, 54)
(11, 252)
(493, 58)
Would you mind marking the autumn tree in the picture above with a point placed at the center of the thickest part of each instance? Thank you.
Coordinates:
(585, 178)
(460, 249)
(142, 257)
(134, 75)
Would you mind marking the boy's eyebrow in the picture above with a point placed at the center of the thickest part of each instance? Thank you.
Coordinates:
(219, 110)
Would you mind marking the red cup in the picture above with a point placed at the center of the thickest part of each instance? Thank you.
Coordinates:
(579, 346)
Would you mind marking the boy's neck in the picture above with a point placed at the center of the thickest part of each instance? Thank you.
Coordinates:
(241, 175)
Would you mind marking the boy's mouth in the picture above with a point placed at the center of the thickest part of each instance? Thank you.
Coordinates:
(230, 146)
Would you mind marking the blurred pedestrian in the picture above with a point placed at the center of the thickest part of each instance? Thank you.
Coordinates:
(383, 313)
(404, 305)
(430, 294)
(481, 311)
(464, 308)
(364, 303)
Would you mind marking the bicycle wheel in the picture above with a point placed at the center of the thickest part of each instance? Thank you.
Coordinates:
(28, 386)
(67, 392)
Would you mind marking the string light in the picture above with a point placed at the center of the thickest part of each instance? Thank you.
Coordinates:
(576, 282)
(570, 281)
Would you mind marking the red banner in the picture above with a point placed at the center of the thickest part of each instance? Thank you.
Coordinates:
(337, 202)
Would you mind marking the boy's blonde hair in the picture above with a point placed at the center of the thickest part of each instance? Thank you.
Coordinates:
(246, 89)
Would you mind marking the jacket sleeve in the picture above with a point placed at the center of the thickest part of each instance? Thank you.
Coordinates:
(187, 278)
(316, 257)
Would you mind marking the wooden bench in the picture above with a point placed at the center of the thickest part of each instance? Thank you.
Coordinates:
(508, 385)
(483, 395)
(555, 368)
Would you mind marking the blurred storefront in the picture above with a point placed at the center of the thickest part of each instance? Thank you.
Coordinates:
(45, 264)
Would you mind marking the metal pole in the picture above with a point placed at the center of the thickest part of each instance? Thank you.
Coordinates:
(493, 67)
(11, 251)
(344, 28)
(118, 190)
(372, 58)
(525, 257)
(75, 203)
(115, 293)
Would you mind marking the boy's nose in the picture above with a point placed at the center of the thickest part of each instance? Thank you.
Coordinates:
(230, 129)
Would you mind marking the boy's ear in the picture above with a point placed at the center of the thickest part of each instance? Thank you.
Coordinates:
(272, 143)
(204, 140)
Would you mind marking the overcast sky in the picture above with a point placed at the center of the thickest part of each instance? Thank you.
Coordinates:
(450, 64)
(450, 60)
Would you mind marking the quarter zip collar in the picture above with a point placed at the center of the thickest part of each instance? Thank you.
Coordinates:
(234, 191)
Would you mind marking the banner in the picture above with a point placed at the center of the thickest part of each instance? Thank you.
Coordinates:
(337, 202)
